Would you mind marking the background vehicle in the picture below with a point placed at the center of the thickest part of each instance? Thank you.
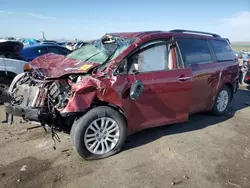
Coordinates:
(49, 42)
(31, 52)
(126, 82)
(246, 59)
(246, 67)
(28, 41)
(11, 63)
(243, 54)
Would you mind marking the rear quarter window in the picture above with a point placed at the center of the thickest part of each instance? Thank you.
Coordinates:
(222, 50)
(195, 51)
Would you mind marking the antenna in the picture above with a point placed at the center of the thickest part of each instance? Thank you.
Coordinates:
(43, 35)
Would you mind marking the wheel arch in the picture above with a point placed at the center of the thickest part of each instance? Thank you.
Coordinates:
(97, 103)
(9, 74)
(230, 86)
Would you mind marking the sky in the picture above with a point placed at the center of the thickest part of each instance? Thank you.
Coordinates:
(91, 19)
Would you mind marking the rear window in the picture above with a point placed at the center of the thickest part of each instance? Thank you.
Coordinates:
(58, 50)
(223, 51)
(195, 51)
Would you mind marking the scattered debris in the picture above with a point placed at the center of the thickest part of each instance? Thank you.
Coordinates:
(38, 126)
(2, 175)
(10, 119)
(65, 150)
(23, 121)
(24, 167)
(234, 184)
(68, 153)
(177, 182)
(55, 137)
(186, 177)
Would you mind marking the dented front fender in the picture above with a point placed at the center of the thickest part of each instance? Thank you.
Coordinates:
(82, 95)
(90, 89)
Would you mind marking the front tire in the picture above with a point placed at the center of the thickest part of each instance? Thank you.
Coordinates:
(4, 86)
(222, 101)
(100, 133)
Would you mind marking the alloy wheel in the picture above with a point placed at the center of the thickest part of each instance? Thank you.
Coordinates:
(222, 100)
(101, 136)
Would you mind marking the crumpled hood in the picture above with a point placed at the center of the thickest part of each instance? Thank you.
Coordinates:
(55, 66)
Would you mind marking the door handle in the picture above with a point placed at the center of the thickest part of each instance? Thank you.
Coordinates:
(182, 79)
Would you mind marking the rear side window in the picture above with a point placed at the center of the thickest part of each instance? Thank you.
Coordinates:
(195, 51)
(54, 50)
(58, 50)
(222, 50)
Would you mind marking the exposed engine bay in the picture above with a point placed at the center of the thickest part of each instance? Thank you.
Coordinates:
(41, 98)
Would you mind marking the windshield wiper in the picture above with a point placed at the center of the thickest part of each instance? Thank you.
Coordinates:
(92, 56)
(107, 60)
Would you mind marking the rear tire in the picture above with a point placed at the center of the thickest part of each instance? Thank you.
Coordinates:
(222, 101)
(100, 133)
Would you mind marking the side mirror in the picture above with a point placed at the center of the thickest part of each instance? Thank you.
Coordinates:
(136, 90)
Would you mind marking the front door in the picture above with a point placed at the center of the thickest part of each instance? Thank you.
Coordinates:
(167, 90)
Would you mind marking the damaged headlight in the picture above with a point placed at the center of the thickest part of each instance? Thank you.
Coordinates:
(59, 93)
(63, 100)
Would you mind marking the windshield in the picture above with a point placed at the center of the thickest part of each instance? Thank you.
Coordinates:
(99, 50)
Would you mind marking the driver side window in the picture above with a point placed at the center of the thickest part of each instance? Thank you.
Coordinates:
(155, 58)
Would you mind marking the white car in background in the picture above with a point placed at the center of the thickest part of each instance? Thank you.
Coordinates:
(11, 63)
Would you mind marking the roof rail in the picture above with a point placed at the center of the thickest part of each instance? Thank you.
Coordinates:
(190, 31)
(228, 40)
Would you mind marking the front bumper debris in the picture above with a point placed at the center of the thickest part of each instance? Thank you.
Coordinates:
(33, 114)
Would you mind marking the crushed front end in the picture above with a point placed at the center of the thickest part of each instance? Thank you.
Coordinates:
(36, 99)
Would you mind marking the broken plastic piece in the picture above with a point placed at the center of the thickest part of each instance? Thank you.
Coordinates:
(24, 167)
(55, 137)
(10, 119)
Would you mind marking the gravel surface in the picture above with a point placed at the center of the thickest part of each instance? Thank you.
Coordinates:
(207, 151)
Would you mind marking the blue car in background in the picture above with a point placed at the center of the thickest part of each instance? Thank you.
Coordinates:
(31, 52)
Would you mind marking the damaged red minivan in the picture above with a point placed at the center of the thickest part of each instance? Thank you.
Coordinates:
(126, 82)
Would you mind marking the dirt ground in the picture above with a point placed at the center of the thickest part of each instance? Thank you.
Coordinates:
(207, 151)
